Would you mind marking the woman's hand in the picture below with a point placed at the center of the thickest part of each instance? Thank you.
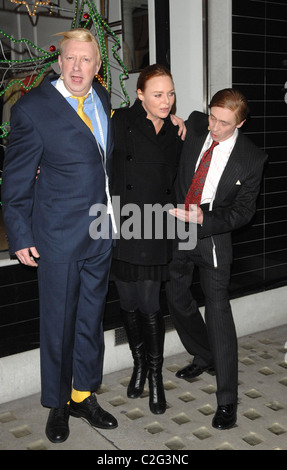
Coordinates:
(180, 123)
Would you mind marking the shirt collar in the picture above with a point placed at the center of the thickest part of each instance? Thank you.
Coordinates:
(63, 90)
(228, 143)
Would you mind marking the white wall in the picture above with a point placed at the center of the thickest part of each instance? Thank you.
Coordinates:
(186, 38)
(219, 45)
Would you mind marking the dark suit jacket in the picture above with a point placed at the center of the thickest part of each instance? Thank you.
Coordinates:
(235, 201)
(52, 212)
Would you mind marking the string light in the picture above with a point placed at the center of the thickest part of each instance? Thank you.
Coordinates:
(101, 26)
(37, 3)
(46, 59)
(101, 81)
(36, 60)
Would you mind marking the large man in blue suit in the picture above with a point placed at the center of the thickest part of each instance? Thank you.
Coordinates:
(49, 220)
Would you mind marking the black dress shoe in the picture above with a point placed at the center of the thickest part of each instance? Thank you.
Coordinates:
(57, 427)
(225, 416)
(90, 410)
(191, 371)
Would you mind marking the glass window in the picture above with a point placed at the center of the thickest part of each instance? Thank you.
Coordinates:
(135, 34)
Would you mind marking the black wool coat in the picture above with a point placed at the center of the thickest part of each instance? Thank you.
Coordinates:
(144, 170)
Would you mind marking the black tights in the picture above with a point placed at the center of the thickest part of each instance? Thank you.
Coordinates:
(141, 295)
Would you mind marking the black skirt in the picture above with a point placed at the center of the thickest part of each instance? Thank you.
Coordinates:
(134, 272)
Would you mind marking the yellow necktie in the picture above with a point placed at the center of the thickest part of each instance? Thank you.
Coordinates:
(81, 113)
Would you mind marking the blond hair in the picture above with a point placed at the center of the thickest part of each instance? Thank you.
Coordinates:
(79, 34)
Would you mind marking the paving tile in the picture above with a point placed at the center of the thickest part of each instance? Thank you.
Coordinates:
(186, 424)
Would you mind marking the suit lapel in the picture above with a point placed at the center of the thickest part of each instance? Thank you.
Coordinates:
(232, 171)
(66, 113)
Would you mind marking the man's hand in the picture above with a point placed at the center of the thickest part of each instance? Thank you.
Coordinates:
(26, 256)
(194, 215)
(180, 123)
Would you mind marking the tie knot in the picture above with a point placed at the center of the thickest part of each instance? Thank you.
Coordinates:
(80, 99)
(214, 144)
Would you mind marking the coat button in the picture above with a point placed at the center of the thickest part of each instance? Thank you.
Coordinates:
(129, 187)
(129, 158)
(168, 191)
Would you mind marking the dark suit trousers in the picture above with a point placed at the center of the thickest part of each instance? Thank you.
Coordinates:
(72, 302)
(213, 341)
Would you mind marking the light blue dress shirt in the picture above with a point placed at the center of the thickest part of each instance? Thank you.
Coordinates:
(92, 102)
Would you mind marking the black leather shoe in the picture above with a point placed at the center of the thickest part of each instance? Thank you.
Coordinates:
(191, 371)
(57, 427)
(90, 410)
(225, 416)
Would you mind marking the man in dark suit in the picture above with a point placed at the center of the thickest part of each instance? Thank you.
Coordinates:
(223, 200)
(49, 224)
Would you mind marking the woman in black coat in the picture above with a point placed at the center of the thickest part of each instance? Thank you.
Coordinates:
(146, 155)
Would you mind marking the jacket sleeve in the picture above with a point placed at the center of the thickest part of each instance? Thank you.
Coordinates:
(22, 158)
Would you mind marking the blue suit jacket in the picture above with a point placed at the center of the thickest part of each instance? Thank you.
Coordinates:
(52, 212)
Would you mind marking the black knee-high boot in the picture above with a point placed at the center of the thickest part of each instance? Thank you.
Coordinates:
(133, 327)
(154, 332)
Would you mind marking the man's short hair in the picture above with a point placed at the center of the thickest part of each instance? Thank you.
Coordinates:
(79, 34)
(232, 99)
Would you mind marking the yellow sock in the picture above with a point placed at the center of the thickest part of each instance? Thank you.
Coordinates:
(79, 396)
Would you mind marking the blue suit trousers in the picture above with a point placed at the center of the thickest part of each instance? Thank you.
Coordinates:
(72, 303)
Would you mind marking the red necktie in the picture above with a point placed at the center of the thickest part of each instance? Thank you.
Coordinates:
(195, 190)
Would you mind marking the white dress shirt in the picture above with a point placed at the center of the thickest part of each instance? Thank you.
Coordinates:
(221, 154)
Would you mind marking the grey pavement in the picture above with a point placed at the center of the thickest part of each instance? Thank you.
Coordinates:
(186, 425)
